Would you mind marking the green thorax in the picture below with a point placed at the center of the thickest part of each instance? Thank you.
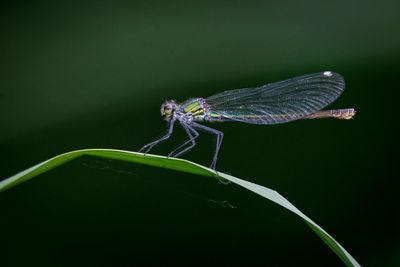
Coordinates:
(197, 107)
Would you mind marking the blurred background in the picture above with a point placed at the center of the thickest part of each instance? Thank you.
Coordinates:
(81, 74)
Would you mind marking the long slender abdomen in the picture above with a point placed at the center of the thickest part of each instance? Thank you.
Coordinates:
(342, 114)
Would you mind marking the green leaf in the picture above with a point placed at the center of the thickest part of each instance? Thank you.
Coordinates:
(183, 166)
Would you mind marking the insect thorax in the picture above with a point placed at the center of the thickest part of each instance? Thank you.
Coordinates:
(195, 109)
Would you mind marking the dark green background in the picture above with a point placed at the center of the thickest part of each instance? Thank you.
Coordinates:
(93, 74)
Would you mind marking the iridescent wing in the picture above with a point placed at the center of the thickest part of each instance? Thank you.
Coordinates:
(279, 102)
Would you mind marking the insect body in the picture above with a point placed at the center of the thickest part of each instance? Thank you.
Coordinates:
(302, 97)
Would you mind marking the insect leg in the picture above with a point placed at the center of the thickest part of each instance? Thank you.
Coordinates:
(149, 146)
(189, 130)
(219, 136)
(193, 134)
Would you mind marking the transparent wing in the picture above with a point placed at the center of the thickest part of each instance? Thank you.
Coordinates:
(277, 102)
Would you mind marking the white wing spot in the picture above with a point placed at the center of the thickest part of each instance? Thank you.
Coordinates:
(328, 73)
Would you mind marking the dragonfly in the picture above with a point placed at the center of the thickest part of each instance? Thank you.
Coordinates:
(302, 97)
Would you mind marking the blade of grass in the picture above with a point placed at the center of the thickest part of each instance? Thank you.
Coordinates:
(183, 166)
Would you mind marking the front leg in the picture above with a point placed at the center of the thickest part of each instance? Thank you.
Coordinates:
(149, 146)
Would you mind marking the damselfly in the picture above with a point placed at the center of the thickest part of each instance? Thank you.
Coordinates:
(302, 97)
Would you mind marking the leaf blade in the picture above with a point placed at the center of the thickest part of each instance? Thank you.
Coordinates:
(183, 166)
